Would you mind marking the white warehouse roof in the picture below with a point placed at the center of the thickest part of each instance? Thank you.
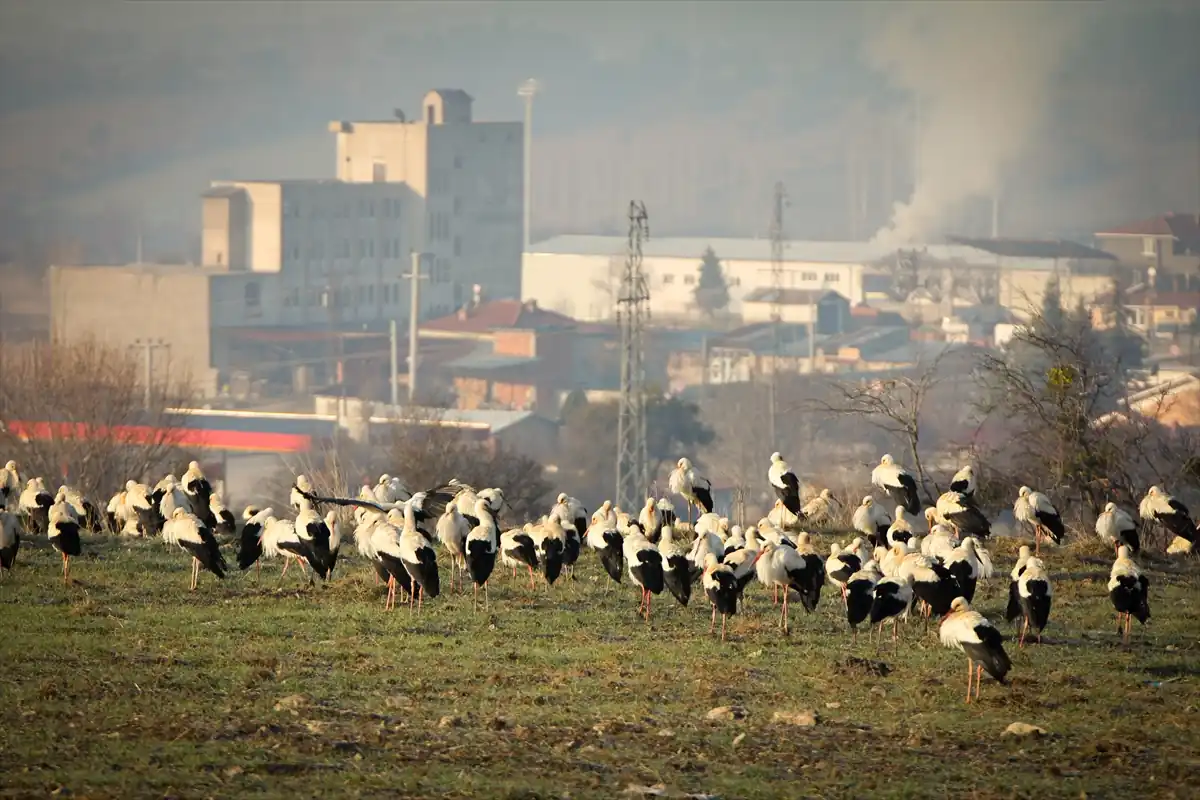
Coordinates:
(822, 252)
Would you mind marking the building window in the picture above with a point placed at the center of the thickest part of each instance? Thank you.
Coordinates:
(379, 172)
(457, 245)
(358, 295)
(371, 295)
(832, 277)
(253, 295)
(371, 209)
(431, 114)
(668, 279)
(689, 279)
(735, 281)
(808, 276)
(457, 206)
(370, 248)
(396, 209)
(1149, 246)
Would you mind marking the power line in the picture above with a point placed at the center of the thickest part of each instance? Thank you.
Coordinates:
(633, 311)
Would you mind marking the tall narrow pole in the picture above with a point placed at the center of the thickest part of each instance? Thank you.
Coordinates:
(527, 90)
(414, 317)
(780, 200)
(395, 349)
(147, 377)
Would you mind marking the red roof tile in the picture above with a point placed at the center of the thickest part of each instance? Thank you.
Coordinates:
(498, 314)
(1181, 226)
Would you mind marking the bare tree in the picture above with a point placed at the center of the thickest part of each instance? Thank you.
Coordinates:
(896, 406)
(1055, 414)
(79, 412)
(426, 452)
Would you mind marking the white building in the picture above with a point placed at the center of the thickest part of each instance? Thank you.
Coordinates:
(466, 183)
(327, 251)
(580, 275)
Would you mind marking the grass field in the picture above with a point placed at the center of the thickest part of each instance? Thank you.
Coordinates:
(125, 684)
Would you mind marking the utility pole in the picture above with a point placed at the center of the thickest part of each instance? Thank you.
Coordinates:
(148, 347)
(633, 311)
(777, 245)
(414, 316)
(527, 90)
(330, 297)
(394, 346)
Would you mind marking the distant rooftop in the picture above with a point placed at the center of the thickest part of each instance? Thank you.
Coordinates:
(820, 252)
(790, 297)
(492, 315)
(1033, 248)
(1182, 226)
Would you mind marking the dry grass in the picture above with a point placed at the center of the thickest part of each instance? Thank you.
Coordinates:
(125, 684)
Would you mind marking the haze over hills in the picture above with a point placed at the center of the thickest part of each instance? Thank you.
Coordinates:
(111, 112)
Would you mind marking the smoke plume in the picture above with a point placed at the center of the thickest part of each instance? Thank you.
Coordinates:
(980, 75)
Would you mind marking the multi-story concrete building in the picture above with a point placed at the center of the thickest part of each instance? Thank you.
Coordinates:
(322, 248)
(466, 184)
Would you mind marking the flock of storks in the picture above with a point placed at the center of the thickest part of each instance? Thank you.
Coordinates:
(886, 573)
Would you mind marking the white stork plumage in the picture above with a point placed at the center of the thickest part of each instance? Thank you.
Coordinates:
(645, 566)
(10, 540)
(963, 481)
(697, 490)
(1129, 590)
(786, 485)
(1160, 507)
(969, 631)
(1035, 509)
(871, 520)
(1013, 611)
(1035, 594)
(191, 534)
(898, 482)
(1116, 527)
(63, 531)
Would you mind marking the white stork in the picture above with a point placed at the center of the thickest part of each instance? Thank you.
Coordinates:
(898, 482)
(1128, 589)
(191, 534)
(972, 633)
(786, 485)
(1160, 507)
(697, 490)
(1116, 527)
(1034, 592)
(1035, 509)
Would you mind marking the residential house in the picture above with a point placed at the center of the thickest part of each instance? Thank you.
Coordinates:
(524, 357)
(1169, 243)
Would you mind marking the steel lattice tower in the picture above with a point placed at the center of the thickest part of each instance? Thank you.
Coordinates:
(780, 200)
(633, 311)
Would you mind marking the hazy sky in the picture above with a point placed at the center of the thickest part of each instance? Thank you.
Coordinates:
(1084, 113)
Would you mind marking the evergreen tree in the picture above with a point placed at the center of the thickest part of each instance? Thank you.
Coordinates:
(1052, 317)
(712, 293)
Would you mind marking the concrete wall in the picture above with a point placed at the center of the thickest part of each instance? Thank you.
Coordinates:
(1022, 290)
(120, 305)
(586, 286)
(1132, 250)
(225, 230)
